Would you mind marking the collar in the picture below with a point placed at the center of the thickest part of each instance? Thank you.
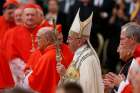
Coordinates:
(52, 46)
(79, 50)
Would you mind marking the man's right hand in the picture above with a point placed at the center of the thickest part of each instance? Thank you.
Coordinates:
(60, 69)
(112, 79)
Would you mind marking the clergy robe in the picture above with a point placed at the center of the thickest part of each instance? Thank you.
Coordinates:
(44, 78)
(5, 26)
(125, 86)
(6, 79)
(21, 43)
(37, 54)
(85, 69)
(44, 23)
(127, 89)
(33, 59)
(17, 46)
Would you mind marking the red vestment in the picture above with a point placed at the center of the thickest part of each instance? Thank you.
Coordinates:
(44, 77)
(20, 44)
(6, 79)
(127, 89)
(5, 26)
(33, 59)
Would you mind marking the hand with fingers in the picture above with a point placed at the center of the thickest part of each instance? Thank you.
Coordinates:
(60, 69)
(112, 79)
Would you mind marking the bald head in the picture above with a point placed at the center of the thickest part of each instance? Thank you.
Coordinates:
(45, 37)
(47, 32)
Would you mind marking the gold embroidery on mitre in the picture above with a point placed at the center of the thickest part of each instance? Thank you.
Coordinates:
(83, 24)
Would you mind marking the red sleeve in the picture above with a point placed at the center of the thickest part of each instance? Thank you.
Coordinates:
(44, 77)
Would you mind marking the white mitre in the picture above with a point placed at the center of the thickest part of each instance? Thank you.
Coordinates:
(81, 28)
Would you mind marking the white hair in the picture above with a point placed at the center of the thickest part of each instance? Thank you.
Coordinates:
(47, 32)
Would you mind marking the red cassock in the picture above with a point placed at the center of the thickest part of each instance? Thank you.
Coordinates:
(5, 26)
(44, 77)
(6, 80)
(44, 23)
(33, 59)
(20, 44)
(137, 51)
(16, 43)
(128, 89)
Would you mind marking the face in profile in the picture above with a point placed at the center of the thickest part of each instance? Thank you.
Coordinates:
(73, 42)
(41, 41)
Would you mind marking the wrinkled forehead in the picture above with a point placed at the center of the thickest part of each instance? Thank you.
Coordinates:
(73, 34)
(30, 10)
(123, 33)
(18, 11)
(122, 47)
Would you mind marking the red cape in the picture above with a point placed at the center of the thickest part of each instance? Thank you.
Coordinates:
(6, 80)
(20, 43)
(16, 42)
(44, 78)
(33, 59)
(128, 89)
(5, 26)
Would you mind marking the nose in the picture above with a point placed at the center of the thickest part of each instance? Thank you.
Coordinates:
(118, 49)
(30, 16)
(67, 41)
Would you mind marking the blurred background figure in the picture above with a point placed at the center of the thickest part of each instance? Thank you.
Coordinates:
(136, 13)
(18, 16)
(1, 8)
(23, 2)
(70, 88)
(66, 4)
(16, 90)
(117, 19)
(86, 8)
(7, 19)
(60, 17)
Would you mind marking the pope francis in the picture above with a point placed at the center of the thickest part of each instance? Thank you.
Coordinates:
(85, 68)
